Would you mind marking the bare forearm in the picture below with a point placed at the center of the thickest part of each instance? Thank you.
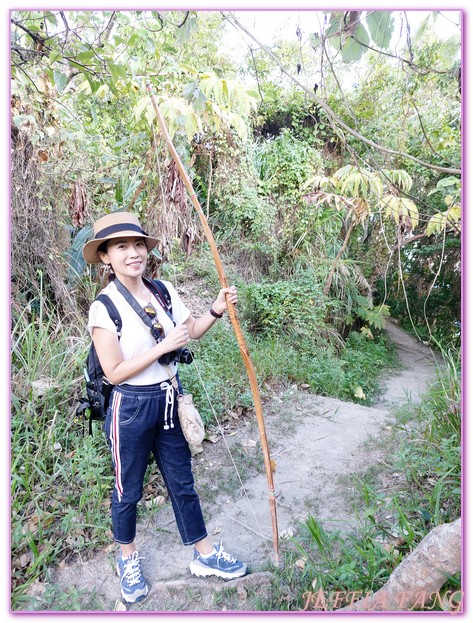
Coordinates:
(126, 369)
(198, 327)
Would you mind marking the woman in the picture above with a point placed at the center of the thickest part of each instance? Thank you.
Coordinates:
(142, 414)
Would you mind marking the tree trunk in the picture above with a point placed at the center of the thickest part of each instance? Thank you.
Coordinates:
(417, 580)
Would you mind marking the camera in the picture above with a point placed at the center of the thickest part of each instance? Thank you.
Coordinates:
(183, 355)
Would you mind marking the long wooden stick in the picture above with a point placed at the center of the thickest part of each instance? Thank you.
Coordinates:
(235, 323)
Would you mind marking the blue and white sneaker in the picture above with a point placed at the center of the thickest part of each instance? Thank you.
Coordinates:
(132, 582)
(218, 563)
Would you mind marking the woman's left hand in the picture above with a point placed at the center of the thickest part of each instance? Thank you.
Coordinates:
(226, 295)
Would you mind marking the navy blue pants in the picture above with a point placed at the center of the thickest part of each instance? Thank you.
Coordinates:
(141, 420)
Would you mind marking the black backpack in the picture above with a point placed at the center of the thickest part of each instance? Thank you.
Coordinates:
(98, 388)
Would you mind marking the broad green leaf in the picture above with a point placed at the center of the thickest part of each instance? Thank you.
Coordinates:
(120, 143)
(182, 34)
(218, 93)
(448, 181)
(74, 257)
(78, 66)
(83, 57)
(60, 80)
(412, 211)
(376, 186)
(237, 122)
(317, 181)
(344, 172)
(199, 102)
(189, 89)
(140, 107)
(119, 40)
(436, 224)
(454, 213)
(381, 27)
(243, 103)
(54, 57)
(119, 191)
(84, 87)
(103, 91)
(354, 47)
(399, 178)
(225, 88)
(439, 221)
(333, 33)
(150, 115)
(315, 40)
(132, 39)
(191, 125)
(116, 71)
(401, 209)
(171, 49)
(50, 17)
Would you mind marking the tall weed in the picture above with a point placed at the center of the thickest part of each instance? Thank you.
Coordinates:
(60, 478)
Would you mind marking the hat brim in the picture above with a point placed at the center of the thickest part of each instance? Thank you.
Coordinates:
(89, 250)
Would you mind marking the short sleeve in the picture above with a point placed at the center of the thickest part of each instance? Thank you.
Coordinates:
(180, 311)
(99, 317)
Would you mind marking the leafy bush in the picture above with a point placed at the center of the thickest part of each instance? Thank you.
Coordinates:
(247, 214)
(294, 309)
(285, 163)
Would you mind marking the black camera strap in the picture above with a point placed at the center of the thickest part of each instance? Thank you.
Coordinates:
(138, 309)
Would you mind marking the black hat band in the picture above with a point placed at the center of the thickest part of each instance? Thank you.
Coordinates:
(113, 229)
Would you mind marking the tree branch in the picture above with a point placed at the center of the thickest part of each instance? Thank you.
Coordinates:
(40, 41)
(256, 74)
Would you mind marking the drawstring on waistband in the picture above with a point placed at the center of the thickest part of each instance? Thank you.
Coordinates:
(169, 407)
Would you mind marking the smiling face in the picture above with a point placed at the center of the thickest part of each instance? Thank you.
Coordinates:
(127, 256)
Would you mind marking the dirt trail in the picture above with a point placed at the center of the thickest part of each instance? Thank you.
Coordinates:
(316, 442)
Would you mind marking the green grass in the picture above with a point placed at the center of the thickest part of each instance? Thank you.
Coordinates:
(60, 477)
(219, 382)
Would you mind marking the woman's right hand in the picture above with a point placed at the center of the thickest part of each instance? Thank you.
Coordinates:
(176, 338)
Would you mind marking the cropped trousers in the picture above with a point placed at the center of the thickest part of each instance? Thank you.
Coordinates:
(142, 420)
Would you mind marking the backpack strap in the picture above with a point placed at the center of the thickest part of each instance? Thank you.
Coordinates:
(112, 312)
(117, 321)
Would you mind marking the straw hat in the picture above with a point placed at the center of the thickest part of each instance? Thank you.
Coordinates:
(115, 225)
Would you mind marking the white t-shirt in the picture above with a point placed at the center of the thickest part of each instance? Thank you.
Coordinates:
(136, 337)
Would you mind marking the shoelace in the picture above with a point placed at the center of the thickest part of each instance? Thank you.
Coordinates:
(226, 557)
(132, 570)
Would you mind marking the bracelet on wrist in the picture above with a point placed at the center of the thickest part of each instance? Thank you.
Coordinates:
(214, 313)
